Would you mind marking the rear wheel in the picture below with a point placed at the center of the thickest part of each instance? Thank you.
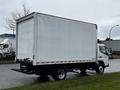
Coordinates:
(59, 74)
(43, 76)
(100, 69)
(83, 72)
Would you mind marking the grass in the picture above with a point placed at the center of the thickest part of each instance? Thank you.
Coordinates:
(7, 61)
(96, 82)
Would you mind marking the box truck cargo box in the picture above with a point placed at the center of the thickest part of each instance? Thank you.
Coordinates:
(55, 42)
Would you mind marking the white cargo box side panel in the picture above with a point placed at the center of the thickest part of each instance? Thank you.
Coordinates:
(25, 39)
(65, 41)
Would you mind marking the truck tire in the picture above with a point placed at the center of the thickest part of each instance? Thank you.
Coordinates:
(43, 76)
(100, 69)
(83, 72)
(59, 74)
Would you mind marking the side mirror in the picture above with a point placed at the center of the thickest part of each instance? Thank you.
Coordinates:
(107, 53)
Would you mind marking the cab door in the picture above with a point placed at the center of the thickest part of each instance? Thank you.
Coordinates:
(103, 54)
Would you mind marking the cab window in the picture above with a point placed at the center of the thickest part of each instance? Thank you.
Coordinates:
(6, 46)
(103, 50)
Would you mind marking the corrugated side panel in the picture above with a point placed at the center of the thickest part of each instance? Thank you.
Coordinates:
(25, 39)
(65, 41)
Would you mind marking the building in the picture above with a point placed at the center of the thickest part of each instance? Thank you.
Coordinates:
(114, 46)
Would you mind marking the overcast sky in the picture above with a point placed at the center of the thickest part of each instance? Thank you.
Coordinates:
(104, 13)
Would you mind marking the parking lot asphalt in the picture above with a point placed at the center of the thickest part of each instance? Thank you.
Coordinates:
(10, 78)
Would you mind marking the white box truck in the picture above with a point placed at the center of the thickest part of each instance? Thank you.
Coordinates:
(51, 45)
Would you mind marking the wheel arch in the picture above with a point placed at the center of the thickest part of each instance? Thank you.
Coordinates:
(101, 62)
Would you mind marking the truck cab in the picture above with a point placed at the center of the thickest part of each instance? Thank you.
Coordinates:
(6, 49)
(103, 58)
